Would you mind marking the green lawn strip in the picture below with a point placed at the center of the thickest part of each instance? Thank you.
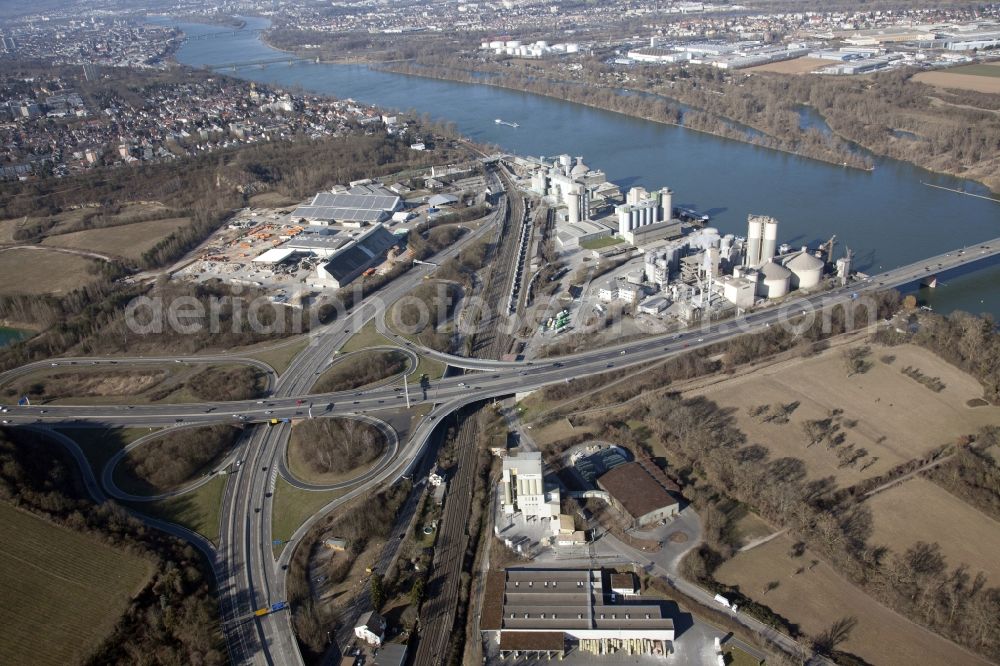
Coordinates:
(601, 243)
(366, 338)
(197, 510)
(280, 357)
(292, 506)
(338, 368)
(976, 70)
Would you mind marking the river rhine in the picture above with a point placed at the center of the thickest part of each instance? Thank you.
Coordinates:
(888, 217)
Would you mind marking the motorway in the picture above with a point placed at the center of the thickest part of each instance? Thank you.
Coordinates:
(247, 572)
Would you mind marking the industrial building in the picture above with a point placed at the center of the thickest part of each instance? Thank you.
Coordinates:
(356, 257)
(523, 487)
(361, 205)
(543, 613)
(370, 628)
(647, 216)
(641, 492)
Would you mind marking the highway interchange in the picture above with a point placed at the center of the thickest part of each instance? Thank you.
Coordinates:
(249, 575)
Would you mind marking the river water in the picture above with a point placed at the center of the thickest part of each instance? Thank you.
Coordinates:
(888, 217)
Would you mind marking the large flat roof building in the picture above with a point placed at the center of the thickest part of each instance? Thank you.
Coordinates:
(362, 204)
(641, 492)
(541, 611)
(356, 257)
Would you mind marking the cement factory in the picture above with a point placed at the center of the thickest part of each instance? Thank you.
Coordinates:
(670, 264)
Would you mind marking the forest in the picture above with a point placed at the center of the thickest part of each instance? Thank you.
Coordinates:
(334, 446)
(175, 619)
(227, 384)
(361, 370)
(180, 455)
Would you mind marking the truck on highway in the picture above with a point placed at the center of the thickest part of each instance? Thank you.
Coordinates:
(275, 422)
(273, 608)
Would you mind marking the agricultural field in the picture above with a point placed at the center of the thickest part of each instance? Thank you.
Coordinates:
(920, 510)
(981, 78)
(889, 415)
(801, 65)
(128, 240)
(37, 271)
(881, 635)
(63, 592)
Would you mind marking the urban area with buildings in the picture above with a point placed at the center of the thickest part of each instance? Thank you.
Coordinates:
(47, 125)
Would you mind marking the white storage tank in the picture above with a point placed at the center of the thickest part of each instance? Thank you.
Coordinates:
(774, 280)
(806, 270)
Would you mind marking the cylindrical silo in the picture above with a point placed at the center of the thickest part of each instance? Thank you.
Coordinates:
(754, 234)
(666, 204)
(770, 242)
(573, 208)
(624, 218)
(774, 280)
(806, 270)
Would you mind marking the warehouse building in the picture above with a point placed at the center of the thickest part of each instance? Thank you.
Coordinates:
(641, 492)
(353, 259)
(361, 205)
(543, 613)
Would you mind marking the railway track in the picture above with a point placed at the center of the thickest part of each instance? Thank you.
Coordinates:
(492, 339)
(437, 615)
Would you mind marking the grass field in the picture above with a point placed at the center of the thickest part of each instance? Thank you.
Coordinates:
(894, 417)
(977, 79)
(278, 358)
(63, 592)
(985, 69)
(293, 506)
(881, 636)
(795, 66)
(127, 240)
(32, 271)
(197, 510)
(920, 510)
(601, 243)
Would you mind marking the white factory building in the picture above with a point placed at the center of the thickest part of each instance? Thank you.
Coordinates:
(647, 216)
(697, 270)
(522, 483)
(582, 193)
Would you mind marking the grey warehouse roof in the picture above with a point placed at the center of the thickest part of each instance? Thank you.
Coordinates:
(355, 206)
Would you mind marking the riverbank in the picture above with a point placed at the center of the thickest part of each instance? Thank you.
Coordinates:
(760, 140)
